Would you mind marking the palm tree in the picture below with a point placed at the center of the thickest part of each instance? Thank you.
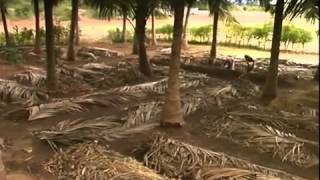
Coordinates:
(73, 26)
(36, 10)
(125, 11)
(51, 64)
(172, 114)
(185, 26)
(291, 9)
(153, 29)
(3, 9)
(270, 87)
(219, 9)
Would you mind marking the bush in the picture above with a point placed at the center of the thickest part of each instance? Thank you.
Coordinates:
(202, 33)
(166, 30)
(61, 33)
(22, 12)
(115, 35)
(63, 11)
(11, 54)
(293, 35)
(24, 36)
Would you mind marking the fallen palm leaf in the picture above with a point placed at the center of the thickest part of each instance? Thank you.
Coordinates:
(267, 139)
(12, 91)
(231, 173)
(31, 78)
(93, 161)
(177, 159)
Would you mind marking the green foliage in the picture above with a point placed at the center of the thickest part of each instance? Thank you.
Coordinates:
(202, 33)
(166, 30)
(61, 33)
(11, 54)
(252, 8)
(63, 11)
(202, 5)
(161, 14)
(293, 35)
(23, 12)
(115, 35)
(24, 36)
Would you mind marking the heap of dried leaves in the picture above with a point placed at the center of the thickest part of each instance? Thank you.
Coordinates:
(96, 162)
(177, 159)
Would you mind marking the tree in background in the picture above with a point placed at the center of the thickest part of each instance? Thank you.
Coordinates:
(73, 26)
(190, 3)
(3, 9)
(37, 44)
(50, 48)
(219, 8)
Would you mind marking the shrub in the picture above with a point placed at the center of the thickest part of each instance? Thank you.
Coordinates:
(22, 12)
(202, 33)
(115, 35)
(11, 54)
(24, 36)
(63, 12)
(166, 30)
(305, 37)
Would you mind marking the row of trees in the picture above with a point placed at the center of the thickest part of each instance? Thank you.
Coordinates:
(140, 11)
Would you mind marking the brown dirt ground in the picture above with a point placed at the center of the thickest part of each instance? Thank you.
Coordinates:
(22, 163)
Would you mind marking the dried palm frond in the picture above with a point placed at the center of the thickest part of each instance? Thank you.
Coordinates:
(278, 120)
(31, 78)
(143, 113)
(93, 161)
(177, 159)
(267, 139)
(189, 80)
(231, 173)
(106, 128)
(157, 87)
(12, 91)
(68, 132)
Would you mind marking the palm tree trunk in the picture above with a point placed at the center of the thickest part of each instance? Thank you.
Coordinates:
(213, 51)
(51, 64)
(74, 18)
(185, 26)
(135, 47)
(172, 114)
(37, 43)
(124, 26)
(271, 84)
(154, 40)
(316, 75)
(141, 20)
(77, 41)
(5, 26)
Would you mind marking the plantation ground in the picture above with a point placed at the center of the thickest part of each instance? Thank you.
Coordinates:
(217, 104)
(96, 30)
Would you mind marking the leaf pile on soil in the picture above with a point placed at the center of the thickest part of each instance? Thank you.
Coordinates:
(94, 161)
(177, 159)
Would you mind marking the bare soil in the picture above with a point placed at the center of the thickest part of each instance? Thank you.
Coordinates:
(24, 154)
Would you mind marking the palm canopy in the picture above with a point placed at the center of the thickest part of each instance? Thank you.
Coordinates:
(224, 9)
(296, 8)
(109, 8)
(307, 8)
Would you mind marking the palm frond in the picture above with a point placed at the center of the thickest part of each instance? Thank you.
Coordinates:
(12, 91)
(286, 146)
(233, 173)
(31, 78)
(95, 161)
(178, 159)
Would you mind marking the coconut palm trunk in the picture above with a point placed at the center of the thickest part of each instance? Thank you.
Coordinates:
(154, 39)
(141, 20)
(135, 47)
(172, 114)
(124, 25)
(74, 19)
(77, 41)
(316, 75)
(271, 84)
(37, 44)
(51, 64)
(5, 25)
(213, 51)
(185, 26)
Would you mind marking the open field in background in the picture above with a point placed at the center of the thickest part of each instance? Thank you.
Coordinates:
(97, 30)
